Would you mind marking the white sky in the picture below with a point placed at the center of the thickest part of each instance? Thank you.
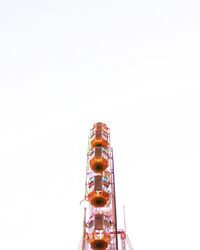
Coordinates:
(65, 65)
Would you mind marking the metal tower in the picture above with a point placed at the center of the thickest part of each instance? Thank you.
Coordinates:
(100, 218)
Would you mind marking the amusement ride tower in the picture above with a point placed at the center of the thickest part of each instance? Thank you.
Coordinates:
(100, 219)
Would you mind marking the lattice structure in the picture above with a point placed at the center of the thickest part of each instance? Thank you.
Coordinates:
(100, 219)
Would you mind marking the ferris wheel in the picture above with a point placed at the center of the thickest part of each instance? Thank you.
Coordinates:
(100, 230)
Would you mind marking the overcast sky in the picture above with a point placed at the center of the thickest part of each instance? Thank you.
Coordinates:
(65, 65)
